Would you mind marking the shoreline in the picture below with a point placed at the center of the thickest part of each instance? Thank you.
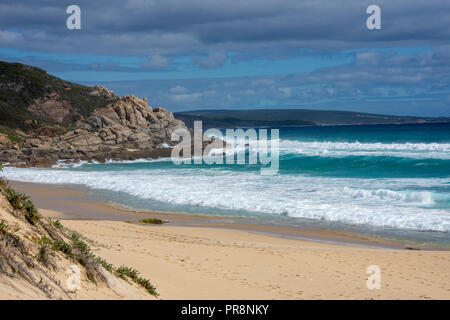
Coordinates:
(198, 257)
(71, 202)
(122, 155)
(67, 202)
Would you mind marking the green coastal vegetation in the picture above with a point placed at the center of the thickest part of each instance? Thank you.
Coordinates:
(152, 221)
(292, 117)
(54, 238)
(21, 85)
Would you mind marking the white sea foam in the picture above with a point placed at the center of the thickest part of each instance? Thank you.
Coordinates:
(409, 150)
(342, 149)
(69, 163)
(419, 197)
(377, 202)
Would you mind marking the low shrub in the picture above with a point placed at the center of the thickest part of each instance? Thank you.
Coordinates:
(20, 201)
(124, 272)
(152, 221)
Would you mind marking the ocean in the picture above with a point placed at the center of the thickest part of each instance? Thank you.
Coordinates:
(387, 180)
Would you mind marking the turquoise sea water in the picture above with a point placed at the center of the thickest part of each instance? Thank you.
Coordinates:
(392, 180)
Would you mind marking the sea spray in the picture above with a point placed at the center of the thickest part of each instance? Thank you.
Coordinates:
(266, 153)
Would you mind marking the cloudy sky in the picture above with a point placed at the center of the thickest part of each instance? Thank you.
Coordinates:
(234, 54)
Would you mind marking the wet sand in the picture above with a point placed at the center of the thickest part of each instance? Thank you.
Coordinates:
(75, 203)
(197, 257)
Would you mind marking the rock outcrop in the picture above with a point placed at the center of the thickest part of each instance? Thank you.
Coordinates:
(48, 119)
(52, 107)
(126, 127)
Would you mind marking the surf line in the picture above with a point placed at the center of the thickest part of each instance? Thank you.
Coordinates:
(266, 152)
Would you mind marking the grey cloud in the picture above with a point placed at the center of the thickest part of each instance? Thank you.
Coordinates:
(211, 61)
(214, 32)
(155, 62)
(383, 82)
(256, 26)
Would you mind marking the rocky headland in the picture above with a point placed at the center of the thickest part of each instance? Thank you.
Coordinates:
(44, 119)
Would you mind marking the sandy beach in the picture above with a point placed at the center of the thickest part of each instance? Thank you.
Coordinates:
(208, 263)
(189, 258)
(230, 151)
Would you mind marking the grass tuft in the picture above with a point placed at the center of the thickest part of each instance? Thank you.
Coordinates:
(56, 223)
(105, 264)
(22, 202)
(80, 244)
(64, 247)
(5, 228)
(147, 286)
(152, 221)
(44, 244)
(124, 272)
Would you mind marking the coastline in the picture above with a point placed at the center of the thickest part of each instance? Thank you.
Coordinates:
(197, 257)
(68, 202)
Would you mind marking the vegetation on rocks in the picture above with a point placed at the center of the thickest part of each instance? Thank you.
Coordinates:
(21, 85)
(44, 119)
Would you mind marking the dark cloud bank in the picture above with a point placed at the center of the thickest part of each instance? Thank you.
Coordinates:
(212, 33)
